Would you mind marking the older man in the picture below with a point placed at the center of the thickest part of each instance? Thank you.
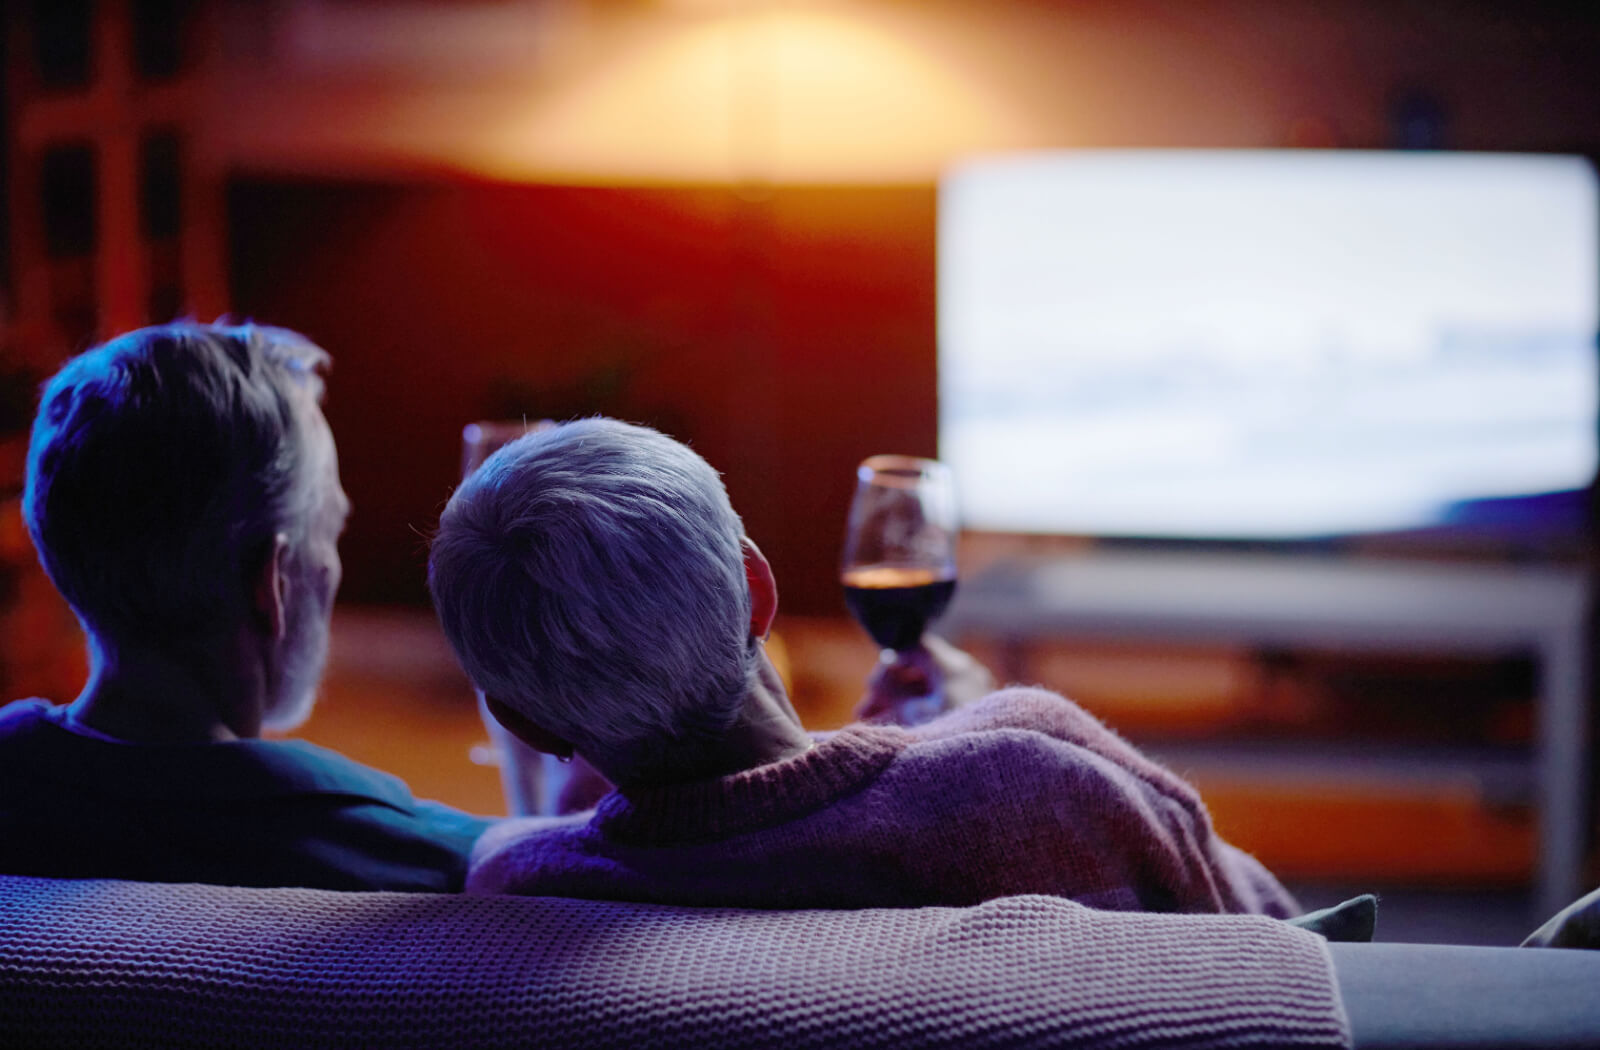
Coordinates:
(598, 587)
(183, 494)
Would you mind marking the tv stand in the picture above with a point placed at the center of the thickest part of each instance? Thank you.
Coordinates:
(1355, 604)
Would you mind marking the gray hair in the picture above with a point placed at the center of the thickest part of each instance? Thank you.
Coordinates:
(591, 576)
(160, 466)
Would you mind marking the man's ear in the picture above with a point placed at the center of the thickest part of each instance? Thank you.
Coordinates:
(535, 736)
(763, 589)
(272, 588)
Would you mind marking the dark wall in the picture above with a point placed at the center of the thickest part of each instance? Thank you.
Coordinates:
(785, 334)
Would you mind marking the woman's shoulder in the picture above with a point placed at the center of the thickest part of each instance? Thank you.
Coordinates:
(1028, 708)
(1031, 722)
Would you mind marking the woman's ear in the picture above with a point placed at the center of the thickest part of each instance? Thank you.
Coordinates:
(763, 589)
(535, 736)
(271, 589)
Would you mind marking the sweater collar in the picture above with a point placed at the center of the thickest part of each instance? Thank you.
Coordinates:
(840, 764)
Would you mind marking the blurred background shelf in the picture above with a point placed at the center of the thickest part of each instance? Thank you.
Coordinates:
(1356, 605)
(1392, 816)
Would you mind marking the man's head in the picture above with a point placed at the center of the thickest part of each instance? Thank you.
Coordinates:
(592, 577)
(176, 475)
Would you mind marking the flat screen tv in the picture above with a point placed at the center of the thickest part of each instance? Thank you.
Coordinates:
(1267, 345)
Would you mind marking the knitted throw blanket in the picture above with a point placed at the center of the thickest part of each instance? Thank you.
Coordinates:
(115, 964)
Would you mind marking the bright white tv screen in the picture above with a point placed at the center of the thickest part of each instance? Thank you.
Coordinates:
(1263, 345)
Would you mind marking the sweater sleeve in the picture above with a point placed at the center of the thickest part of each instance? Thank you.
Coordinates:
(1148, 811)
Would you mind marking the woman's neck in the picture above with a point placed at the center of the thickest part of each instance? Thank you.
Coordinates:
(765, 730)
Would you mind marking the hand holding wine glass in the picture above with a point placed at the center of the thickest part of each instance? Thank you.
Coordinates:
(899, 572)
(894, 684)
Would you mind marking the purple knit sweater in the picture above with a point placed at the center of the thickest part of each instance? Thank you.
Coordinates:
(1022, 792)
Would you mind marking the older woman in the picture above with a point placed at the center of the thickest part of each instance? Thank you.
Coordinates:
(598, 587)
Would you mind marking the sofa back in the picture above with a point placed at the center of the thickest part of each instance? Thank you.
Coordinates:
(103, 963)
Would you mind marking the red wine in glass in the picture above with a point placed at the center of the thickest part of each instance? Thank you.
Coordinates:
(895, 602)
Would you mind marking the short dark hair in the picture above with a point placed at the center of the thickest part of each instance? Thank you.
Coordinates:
(160, 466)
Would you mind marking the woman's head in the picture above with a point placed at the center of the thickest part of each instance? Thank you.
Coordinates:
(591, 578)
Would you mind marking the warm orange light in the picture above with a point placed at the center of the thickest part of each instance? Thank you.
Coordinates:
(759, 94)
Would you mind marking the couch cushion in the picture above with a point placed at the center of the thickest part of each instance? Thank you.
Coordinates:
(99, 964)
(1428, 996)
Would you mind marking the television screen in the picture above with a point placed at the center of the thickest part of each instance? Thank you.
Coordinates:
(1265, 345)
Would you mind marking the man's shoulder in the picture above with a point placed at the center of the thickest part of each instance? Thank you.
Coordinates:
(235, 771)
(247, 812)
(306, 771)
(299, 767)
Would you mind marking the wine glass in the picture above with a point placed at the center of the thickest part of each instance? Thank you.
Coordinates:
(899, 570)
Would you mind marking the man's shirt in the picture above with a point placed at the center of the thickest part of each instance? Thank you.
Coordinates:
(242, 813)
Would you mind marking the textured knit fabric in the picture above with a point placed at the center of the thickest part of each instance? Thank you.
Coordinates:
(245, 813)
(1023, 792)
(103, 965)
